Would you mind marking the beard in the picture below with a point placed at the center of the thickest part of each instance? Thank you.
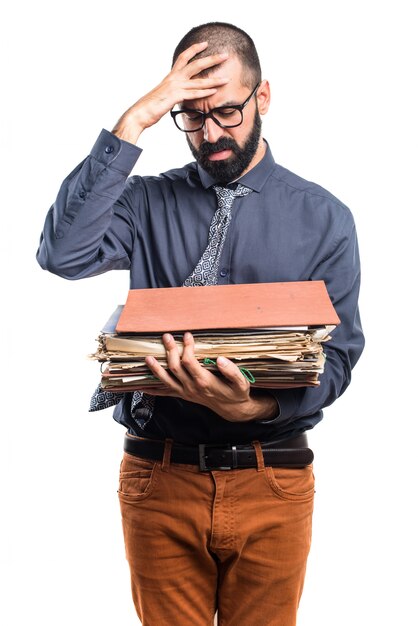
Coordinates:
(228, 170)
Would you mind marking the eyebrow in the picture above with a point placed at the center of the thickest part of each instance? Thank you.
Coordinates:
(230, 103)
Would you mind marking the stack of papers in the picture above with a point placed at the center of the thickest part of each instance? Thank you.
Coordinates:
(272, 358)
(279, 356)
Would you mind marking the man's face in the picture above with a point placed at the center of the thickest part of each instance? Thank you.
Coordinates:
(227, 153)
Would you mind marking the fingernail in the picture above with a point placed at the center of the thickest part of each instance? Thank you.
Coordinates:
(224, 54)
(150, 360)
(187, 335)
(222, 361)
(167, 337)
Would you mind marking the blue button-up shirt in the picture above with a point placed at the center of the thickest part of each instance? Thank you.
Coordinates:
(288, 229)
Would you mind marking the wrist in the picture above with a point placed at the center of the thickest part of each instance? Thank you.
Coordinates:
(128, 128)
(262, 406)
(259, 406)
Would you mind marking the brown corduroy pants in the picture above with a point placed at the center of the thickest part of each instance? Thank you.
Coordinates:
(235, 541)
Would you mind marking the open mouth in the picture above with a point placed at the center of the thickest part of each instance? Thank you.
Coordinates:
(218, 156)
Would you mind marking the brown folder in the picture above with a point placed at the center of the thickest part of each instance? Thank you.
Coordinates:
(254, 305)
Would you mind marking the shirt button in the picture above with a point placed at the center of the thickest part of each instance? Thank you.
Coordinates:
(82, 194)
(109, 149)
(223, 272)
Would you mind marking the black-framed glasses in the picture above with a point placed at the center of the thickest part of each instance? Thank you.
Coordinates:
(192, 120)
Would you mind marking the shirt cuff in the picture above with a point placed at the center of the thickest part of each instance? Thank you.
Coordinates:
(117, 153)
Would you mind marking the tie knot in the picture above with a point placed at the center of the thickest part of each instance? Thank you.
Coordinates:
(226, 195)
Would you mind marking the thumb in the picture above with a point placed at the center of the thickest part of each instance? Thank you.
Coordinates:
(229, 369)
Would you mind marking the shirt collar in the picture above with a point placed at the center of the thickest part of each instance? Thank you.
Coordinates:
(255, 179)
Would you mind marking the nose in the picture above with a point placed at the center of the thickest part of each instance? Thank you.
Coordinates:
(211, 131)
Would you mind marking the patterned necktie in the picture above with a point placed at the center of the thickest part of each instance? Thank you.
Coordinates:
(206, 271)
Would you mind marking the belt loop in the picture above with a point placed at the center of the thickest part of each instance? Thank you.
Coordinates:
(165, 466)
(259, 455)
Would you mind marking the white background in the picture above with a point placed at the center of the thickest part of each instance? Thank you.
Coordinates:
(343, 114)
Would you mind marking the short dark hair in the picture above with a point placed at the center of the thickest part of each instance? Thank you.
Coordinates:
(224, 37)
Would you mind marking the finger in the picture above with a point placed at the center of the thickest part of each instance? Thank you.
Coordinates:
(185, 56)
(199, 65)
(197, 94)
(211, 82)
(173, 359)
(162, 375)
(189, 360)
(232, 372)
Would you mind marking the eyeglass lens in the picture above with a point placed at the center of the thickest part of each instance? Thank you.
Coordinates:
(193, 120)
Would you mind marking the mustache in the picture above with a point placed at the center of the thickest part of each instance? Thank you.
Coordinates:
(224, 143)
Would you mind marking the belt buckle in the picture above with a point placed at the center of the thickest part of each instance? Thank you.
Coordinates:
(203, 457)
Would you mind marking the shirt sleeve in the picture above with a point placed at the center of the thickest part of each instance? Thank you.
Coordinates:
(90, 227)
(341, 272)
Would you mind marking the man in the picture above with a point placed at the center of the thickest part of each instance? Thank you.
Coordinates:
(202, 539)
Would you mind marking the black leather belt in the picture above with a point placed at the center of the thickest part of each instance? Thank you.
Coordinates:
(284, 453)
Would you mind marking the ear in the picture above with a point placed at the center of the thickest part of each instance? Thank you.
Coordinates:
(263, 97)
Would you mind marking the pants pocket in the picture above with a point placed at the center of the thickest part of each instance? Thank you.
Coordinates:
(137, 477)
(292, 483)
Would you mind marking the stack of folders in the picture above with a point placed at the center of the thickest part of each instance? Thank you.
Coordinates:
(273, 332)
